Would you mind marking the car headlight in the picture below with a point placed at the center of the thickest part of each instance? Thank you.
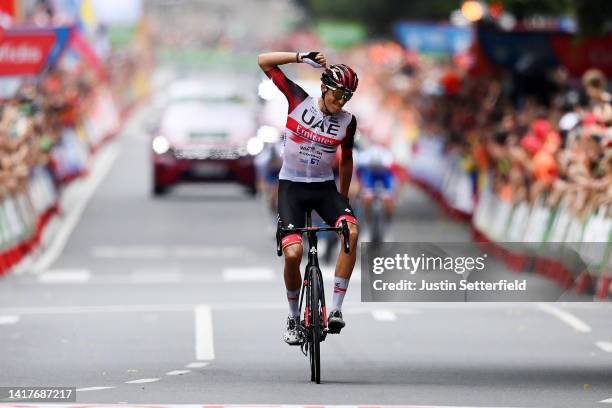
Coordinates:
(266, 89)
(254, 146)
(268, 134)
(160, 145)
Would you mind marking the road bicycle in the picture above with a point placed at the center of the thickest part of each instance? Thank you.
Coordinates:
(312, 296)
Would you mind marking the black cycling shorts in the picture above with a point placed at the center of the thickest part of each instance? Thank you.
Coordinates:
(295, 198)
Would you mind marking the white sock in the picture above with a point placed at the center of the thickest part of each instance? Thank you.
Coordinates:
(293, 297)
(340, 286)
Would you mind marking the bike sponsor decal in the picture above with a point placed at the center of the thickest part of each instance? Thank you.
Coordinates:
(299, 130)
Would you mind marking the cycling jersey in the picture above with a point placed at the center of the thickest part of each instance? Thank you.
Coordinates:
(311, 138)
(371, 177)
(375, 157)
(374, 167)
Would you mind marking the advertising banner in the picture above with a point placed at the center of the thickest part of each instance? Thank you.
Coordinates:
(517, 50)
(579, 55)
(341, 34)
(542, 50)
(25, 52)
(62, 38)
(434, 38)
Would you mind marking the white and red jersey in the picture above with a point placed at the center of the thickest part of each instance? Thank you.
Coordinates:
(311, 137)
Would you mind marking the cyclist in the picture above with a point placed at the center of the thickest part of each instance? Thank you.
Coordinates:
(268, 164)
(375, 167)
(315, 128)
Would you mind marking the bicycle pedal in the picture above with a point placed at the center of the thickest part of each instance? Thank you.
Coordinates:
(324, 334)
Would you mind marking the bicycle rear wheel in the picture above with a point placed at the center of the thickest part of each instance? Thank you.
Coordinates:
(377, 227)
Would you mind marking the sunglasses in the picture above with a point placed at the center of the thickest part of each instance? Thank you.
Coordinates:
(340, 93)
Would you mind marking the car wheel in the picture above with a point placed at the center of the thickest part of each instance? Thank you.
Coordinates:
(159, 190)
(252, 190)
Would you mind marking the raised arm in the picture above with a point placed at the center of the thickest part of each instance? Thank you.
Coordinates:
(269, 63)
(269, 60)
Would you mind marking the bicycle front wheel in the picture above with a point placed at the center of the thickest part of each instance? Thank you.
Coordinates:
(315, 311)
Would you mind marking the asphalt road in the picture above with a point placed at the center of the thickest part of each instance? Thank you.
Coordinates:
(180, 300)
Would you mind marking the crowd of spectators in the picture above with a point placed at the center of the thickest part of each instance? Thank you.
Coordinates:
(551, 145)
(44, 118)
(543, 138)
(32, 122)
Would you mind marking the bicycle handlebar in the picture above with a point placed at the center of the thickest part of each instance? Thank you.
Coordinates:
(343, 229)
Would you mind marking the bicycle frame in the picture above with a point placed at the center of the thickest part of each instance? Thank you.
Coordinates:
(312, 265)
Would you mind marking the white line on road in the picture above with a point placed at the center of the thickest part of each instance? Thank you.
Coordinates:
(252, 406)
(9, 319)
(565, 317)
(93, 389)
(98, 309)
(144, 277)
(176, 252)
(607, 401)
(199, 252)
(143, 381)
(204, 342)
(73, 214)
(350, 307)
(199, 364)
(384, 315)
(128, 252)
(178, 372)
(605, 346)
(248, 274)
(65, 276)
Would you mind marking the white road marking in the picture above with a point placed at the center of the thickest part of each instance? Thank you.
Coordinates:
(65, 276)
(607, 401)
(204, 342)
(199, 364)
(605, 346)
(129, 252)
(349, 307)
(565, 317)
(178, 372)
(155, 269)
(384, 315)
(143, 381)
(176, 252)
(247, 406)
(93, 389)
(197, 252)
(585, 305)
(84, 191)
(248, 274)
(156, 277)
(9, 319)
(99, 309)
